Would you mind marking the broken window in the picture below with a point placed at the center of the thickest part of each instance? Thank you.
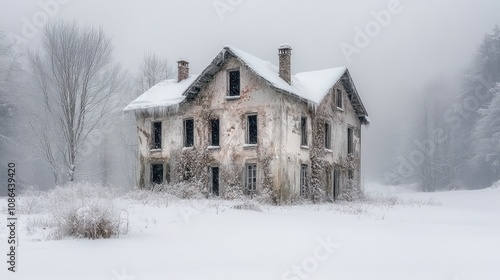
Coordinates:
(303, 179)
(251, 177)
(327, 135)
(350, 139)
(157, 174)
(252, 129)
(234, 83)
(339, 98)
(156, 135)
(336, 183)
(214, 132)
(188, 133)
(215, 180)
(303, 131)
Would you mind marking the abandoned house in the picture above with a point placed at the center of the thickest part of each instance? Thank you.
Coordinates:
(245, 126)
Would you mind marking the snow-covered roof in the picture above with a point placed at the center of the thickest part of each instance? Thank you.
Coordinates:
(310, 86)
(163, 94)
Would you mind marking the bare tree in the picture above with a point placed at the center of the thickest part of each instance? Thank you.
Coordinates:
(152, 70)
(426, 153)
(75, 77)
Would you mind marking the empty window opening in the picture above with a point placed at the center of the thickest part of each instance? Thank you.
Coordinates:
(327, 139)
(350, 173)
(350, 139)
(234, 83)
(339, 98)
(156, 135)
(214, 132)
(215, 181)
(303, 131)
(303, 180)
(157, 174)
(251, 177)
(336, 183)
(188, 133)
(188, 174)
(252, 129)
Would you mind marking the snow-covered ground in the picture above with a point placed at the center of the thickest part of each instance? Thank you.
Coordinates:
(399, 235)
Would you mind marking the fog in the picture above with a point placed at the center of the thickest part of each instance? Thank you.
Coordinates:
(421, 41)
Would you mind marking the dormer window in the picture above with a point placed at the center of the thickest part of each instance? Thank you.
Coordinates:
(234, 83)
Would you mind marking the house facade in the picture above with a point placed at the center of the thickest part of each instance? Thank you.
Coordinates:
(247, 127)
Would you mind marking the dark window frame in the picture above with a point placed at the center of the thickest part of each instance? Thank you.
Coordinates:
(156, 135)
(215, 138)
(250, 138)
(303, 131)
(188, 139)
(215, 171)
(251, 177)
(234, 83)
(339, 101)
(327, 139)
(153, 177)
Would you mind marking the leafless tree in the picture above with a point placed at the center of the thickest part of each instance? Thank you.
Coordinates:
(426, 149)
(76, 78)
(152, 70)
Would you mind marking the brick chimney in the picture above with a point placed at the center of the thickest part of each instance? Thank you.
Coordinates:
(182, 70)
(285, 62)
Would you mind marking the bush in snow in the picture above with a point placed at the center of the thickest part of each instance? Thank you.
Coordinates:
(86, 211)
(184, 189)
(247, 205)
(352, 191)
(31, 201)
(157, 197)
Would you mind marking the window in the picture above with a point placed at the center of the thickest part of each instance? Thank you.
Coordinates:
(350, 143)
(156, 135)
(157, 174)
(215, 180)
(303, 180)
(336, 183)
(187, 175)
(188, 133)
(251, 178)
(234, 83)
(339, 98)
(303, 131)
(350, 173)
(251, 129)
(327, 136)
(214, 132)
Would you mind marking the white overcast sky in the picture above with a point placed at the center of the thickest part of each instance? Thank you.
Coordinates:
(427, 39)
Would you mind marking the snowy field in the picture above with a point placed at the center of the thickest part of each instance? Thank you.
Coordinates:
(398, 234)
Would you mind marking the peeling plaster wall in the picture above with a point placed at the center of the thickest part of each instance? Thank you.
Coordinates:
(341, 120)
(279, 133)
(256, 97)
(295, 154)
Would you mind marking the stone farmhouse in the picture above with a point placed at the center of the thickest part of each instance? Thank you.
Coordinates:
(247, 127)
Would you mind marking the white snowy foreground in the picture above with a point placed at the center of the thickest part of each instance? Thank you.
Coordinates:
(402, 235)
